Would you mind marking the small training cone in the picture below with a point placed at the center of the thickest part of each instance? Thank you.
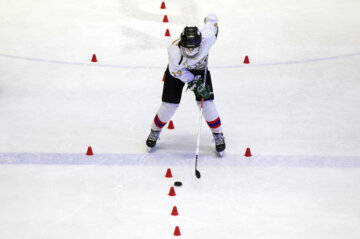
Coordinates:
(177, 231)
(171, 125)
(172, 192)
(165, 19)
(246, 60)
(162, 6)
(93, 59)
(89, 151)
(168, 173)
(167, 33)
(248, 153)
(174, 211)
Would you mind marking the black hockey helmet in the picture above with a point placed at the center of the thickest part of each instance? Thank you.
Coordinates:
(190, 37)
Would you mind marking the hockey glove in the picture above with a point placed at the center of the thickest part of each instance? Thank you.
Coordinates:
(199, 89)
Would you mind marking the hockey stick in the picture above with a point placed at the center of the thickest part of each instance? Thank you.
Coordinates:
(197, 172)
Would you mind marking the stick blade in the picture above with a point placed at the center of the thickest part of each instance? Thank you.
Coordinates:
(197, 173)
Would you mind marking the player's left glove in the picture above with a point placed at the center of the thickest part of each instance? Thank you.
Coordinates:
(199, 89)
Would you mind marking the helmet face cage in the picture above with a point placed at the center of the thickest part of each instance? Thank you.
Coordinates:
(190, 41)
(190, 52)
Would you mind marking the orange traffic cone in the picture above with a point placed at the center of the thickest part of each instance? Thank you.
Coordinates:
(89, 151)
(171, 125)
(162, 6)
(174, 211)
(167, 33)
(165, 19)
(246, 60)
(168, 173)
(177, 231)
(94, 59)
(172, 192)
(248, 153)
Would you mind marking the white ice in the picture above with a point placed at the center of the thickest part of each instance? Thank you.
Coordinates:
(296, 105)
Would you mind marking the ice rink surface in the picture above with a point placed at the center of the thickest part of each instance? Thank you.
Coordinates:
(296, 105)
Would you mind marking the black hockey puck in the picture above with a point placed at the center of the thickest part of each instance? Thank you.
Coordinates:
(178, 184)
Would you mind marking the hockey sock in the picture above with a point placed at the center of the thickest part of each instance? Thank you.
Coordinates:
(211, 116)
(164, 114)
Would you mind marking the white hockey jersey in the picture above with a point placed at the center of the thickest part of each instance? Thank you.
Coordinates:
(180, 66)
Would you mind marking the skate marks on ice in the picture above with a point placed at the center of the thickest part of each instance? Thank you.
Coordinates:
(180, 158)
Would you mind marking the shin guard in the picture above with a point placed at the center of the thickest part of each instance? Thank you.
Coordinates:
(211, 116)
(164, 114)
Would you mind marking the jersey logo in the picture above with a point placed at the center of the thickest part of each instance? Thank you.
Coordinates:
(200, 65)
(176, 74)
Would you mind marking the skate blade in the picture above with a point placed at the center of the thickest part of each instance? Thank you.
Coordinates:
(220, 154)
(150, 149)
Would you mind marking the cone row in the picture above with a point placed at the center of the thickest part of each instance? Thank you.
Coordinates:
(174, 211)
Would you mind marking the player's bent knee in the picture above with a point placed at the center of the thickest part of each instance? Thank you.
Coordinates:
(167, 105)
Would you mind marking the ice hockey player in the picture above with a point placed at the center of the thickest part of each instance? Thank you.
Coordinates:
(188, 57)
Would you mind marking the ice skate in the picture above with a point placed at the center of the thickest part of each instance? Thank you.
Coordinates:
(152, 139)
(219, 143)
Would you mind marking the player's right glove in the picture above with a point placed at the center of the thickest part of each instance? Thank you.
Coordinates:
(199, 89)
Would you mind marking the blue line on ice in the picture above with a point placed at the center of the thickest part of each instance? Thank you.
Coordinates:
(180, 159)
(161, 67)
